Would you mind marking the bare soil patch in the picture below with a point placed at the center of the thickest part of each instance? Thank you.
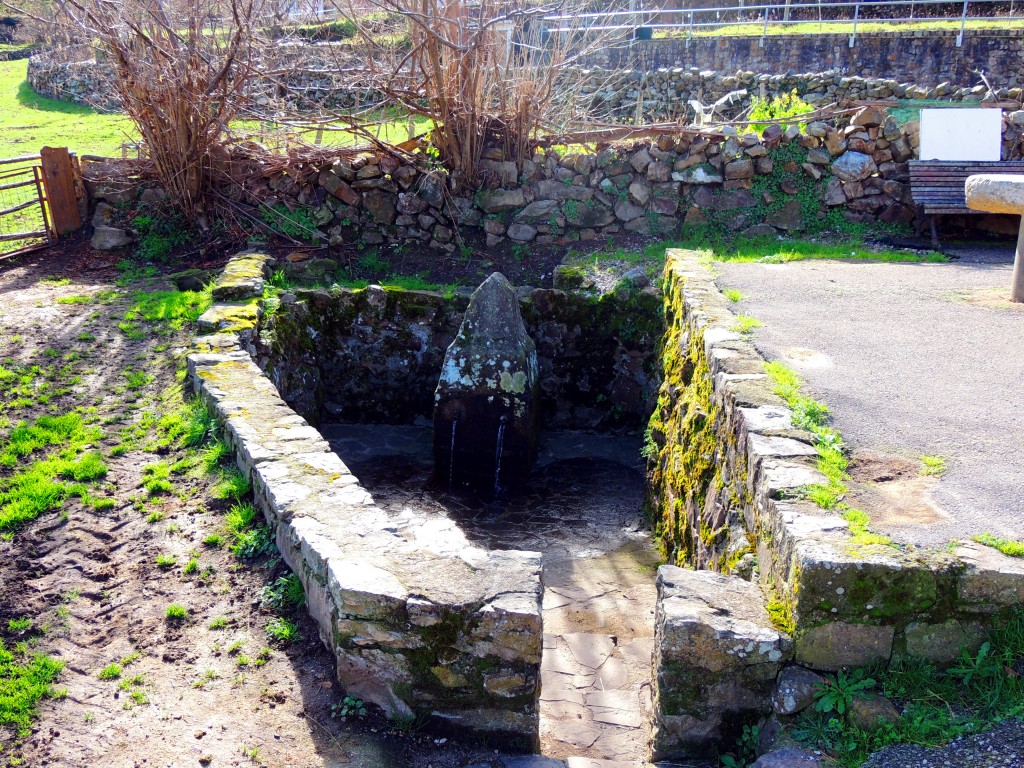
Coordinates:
(213, 689)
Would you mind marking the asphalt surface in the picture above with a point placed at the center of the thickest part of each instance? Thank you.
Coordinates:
(912, 359)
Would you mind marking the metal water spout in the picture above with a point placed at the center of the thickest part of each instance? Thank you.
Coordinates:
(487, 398)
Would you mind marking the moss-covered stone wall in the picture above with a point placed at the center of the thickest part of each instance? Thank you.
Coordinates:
(375, 354)
(727, 467)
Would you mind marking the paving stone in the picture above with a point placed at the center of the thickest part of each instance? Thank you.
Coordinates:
(589, 650)
(614, 673)
(620, 700)
(616, 717)
(531, 761)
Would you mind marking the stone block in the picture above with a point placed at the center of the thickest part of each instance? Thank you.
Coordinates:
(942, 643)
(716, 657)
(838, 644)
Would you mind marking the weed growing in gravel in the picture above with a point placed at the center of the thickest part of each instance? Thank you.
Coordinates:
(221, 622)
(1006, 546)
(136, 380)
(110, 672)
(176, 613)
(933, 465)
(18, 626)
(732, 295)
(745, 324)
(165, 562)
(155, 478)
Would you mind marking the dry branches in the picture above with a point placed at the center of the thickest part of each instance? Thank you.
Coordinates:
(181, 71)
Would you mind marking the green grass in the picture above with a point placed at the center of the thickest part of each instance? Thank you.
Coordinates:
(29, 121)
(39, 486)
(769, 250)
(176, 613)
(732, 295)
(24, 681)
(110, 672)
(811, 28)
(166, 561)
(813, 416)
(1006, 546)
(933, 465)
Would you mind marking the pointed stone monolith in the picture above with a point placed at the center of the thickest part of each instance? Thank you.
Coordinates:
(486, 402)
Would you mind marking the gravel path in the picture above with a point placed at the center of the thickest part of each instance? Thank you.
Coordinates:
(913, 359)
(1002, 747)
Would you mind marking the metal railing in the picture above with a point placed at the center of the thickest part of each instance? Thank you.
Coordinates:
(692, 20)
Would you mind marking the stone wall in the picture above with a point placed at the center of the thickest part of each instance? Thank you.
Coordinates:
(318, 75)
(615, 86)
(666, 92)
(784, 180)
(422, 623)
(925, 58)
(725, 478)
(375, 354)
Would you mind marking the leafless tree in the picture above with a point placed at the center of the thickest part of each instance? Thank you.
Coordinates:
(181, 70)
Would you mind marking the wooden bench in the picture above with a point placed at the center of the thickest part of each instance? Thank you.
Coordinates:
(937, 186)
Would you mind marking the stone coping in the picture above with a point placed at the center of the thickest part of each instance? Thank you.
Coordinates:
(422, 622)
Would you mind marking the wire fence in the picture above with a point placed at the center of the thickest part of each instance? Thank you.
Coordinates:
(23, 218)
(643, 23)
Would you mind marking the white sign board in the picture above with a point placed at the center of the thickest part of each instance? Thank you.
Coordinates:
(961, 134)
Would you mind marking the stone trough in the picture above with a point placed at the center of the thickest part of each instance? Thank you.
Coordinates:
(422, 623)
(427, 623)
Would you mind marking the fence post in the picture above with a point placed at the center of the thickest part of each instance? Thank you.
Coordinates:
(963, 22)
(764, 30)
(59, 183)
(856, 16)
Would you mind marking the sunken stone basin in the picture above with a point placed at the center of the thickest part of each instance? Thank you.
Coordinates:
(486, 403)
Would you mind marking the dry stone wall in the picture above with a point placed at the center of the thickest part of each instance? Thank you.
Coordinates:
(925, 58)
(421, 622)
(786, 180)
(375, 354)
(666, 92)
(725, 478)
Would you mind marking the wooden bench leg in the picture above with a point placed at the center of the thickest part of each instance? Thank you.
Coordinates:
(935, 232)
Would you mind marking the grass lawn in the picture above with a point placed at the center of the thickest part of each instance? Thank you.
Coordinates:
(29, 121)
(843, 28)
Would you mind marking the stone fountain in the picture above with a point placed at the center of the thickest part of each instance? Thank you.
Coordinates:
(486, 402)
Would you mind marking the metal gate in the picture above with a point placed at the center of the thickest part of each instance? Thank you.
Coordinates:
(38, 200)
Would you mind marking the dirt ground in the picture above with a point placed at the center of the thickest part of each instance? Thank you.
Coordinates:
(89, 579)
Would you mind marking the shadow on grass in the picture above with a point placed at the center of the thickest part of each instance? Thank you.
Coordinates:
(29, 98)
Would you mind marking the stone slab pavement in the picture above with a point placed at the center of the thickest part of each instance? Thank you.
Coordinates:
(913, 360)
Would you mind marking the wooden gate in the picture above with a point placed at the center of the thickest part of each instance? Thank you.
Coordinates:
(38, 200)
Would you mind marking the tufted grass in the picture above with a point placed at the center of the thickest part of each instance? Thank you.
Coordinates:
(24, 680)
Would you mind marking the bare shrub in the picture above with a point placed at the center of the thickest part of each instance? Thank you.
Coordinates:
(487, 74)
(182, 71)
